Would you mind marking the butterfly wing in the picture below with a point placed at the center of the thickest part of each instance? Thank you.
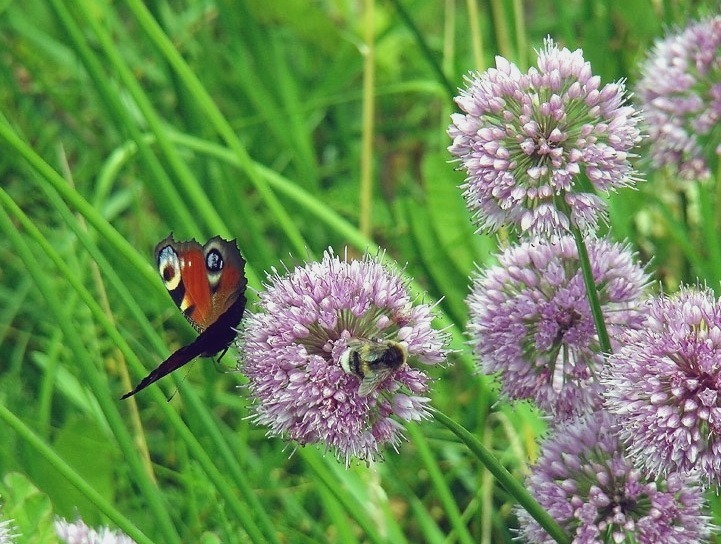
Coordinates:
(228, 284)
(215, 338)
(181, 357)
(208, 284)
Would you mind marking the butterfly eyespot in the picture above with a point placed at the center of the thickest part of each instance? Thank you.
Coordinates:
(169, 267)
(168, 273)
(214, 261)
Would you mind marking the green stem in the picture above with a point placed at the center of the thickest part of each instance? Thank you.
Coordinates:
(710, 234)
(505, 478)
(708, 196)
(502, 28)
(678, 234)
(591, 291)
(352, 507)
(368, 121)
(445, 495)
(521, 34)
(476, 36)
(425, 48)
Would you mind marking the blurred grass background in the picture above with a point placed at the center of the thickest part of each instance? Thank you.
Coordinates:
(123, 121)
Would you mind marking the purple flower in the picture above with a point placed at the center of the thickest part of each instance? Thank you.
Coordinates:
(530, 320)
(320, 334)
(587, 484)
(537, 146)
(680, 94)
(8, 534)
(79, 533)
(664, 384)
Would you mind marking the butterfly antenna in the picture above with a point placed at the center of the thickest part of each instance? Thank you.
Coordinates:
(172, 394)
(175, 391)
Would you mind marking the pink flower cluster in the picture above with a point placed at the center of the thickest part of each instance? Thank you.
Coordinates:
(538, 146)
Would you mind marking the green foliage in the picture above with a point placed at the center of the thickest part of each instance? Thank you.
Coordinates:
(120, 122)
(29, 508)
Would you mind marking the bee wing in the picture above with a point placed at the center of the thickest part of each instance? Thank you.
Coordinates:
(372, 381)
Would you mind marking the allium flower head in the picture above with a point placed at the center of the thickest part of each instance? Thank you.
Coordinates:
(79, 533)
(537, 146)
(664, 384)
(296, 348)
(531, 322)
(586, 483)
(680, 94)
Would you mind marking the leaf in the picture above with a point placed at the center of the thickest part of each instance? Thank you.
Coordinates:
(449, 216)
(449, 281)
(85, 447)
(29, 508)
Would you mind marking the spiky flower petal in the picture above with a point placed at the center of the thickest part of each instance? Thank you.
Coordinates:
(530, 320)
(8, 534)
(297, 342)
(680, 95)
(664, 383)
(78, 532)
(586, 483)
(538, 146)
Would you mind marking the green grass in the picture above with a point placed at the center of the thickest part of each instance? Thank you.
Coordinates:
(121, 122)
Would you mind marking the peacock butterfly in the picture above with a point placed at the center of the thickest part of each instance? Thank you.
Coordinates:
(208, 284)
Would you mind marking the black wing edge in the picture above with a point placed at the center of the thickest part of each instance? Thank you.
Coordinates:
(180, 358)
(212, 340)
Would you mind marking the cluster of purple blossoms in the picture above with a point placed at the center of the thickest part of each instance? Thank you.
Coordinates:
(663, 386)
(680, 95)
(537, 147)
(531, 322)
(587, 484)
(295, 345)
(78, 532)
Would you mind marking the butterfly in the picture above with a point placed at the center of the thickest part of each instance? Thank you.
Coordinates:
(208, 284)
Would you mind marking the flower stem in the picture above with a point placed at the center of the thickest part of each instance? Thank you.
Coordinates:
(426, 50)
(591, 291)
(507, 480)
(476, 36)
(368, 113)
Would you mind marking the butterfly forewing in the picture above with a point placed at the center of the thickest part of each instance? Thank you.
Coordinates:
(227, 283)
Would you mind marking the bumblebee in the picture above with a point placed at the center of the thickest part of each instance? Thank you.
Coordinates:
(372, 361)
